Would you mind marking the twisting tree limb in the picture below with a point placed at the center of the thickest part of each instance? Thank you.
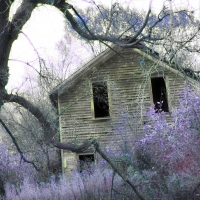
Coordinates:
(96, 38)
(16, 145)
(47, 128)
(86, 33)
(21, 16)
(72, 147)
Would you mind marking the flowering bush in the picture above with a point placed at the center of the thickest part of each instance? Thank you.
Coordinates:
(164, 162)
(171, 148)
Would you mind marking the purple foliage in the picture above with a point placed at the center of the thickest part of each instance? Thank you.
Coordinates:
(13, 169)
(171, 145)
(166, 156)
(88, 186)
(174, 143)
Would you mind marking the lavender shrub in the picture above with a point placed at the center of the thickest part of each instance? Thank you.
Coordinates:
(13, 169)
(170, 150)
(85, 186)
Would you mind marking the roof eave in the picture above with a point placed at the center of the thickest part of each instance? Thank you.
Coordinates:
(83, 71)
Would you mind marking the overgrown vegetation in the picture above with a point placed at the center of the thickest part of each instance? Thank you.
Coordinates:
(161, 164)
(164, 163)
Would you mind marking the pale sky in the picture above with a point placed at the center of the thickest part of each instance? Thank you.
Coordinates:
(46, 28)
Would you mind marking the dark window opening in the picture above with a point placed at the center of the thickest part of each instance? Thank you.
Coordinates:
(159, 94)
(100, 98)
(85, 162)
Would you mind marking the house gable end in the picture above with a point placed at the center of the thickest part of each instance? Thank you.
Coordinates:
(128, 87)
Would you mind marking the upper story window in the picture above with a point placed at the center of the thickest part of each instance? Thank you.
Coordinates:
(100, 100)
(159, 93)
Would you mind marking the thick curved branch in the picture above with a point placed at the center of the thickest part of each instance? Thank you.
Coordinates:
(48, 129)
(21, 16)
(100, 38)
(85, 34)
(16, 145)
(72, 147)
(63, 7)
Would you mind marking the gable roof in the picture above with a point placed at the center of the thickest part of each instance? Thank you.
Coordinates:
(82, 72)
(101, 59)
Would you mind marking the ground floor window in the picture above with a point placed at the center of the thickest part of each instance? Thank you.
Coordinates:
(86, 161)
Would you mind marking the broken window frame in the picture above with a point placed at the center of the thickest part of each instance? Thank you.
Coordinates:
(94, 117)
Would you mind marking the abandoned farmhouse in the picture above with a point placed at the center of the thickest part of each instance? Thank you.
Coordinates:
(93, 100)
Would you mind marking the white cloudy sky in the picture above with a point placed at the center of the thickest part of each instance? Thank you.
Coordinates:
(46, 28)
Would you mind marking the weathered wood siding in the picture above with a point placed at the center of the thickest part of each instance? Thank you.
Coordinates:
(129, 91)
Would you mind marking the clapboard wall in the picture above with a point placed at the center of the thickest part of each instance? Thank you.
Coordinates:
(129, 92)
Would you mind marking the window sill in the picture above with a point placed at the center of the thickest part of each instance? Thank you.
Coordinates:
(101, 118)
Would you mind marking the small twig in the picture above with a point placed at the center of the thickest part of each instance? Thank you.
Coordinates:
(84, 24)
(41, 60)
(28, 64)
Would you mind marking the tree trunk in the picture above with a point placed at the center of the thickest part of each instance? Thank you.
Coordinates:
(9, 31)
(5, 47)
